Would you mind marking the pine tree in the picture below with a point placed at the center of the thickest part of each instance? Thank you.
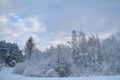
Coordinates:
(29, 47)
(10, 53)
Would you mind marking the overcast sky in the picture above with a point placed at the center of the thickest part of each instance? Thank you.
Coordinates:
(51, 21)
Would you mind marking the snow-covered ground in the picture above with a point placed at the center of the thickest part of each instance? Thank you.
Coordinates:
(6, 74)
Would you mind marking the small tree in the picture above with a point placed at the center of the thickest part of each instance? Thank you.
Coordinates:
(29, 48)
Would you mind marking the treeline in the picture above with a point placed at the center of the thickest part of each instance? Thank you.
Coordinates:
(82, 56)
(10, 54)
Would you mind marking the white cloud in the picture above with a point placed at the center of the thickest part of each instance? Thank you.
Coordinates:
(36, 24)
(4, 27)
(3, 19)
(22, 24)
(91, 18)
(18, 31)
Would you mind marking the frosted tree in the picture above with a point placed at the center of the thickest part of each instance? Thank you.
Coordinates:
(82, 42)
(93, 46)
(83, 57)
(10, 53)
(83, 48)
(110, 50)
(62, 60)
(29, 48)
(75, 50)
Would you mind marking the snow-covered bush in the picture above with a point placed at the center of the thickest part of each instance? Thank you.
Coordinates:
(40, 70)
(52, 73)
(35, 71)
(20, 67)
(32, 71)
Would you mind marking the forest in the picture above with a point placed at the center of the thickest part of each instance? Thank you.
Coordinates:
(81, 56)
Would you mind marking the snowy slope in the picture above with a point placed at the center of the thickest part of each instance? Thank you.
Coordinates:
(6, 74)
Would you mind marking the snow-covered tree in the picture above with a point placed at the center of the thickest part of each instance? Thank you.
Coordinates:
(62, 65)
(10, 53)
(29, 47)
(83, 49)
(111, 53)
(83, 57)
(93, 46)
(75, 49)
(82, 42)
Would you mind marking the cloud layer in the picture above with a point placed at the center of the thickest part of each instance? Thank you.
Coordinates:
(51, 22)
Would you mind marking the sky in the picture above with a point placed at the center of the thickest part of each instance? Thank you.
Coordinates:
(51, 22)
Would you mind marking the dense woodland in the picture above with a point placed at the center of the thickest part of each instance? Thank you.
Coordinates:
(82, 56)
(10, 54)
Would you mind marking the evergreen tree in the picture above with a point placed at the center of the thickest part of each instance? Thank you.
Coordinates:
(29, 48)
(10, 54)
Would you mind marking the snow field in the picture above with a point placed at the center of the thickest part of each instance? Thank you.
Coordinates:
(6, 74)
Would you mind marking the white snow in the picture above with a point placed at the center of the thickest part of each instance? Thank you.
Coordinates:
(6, 74)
